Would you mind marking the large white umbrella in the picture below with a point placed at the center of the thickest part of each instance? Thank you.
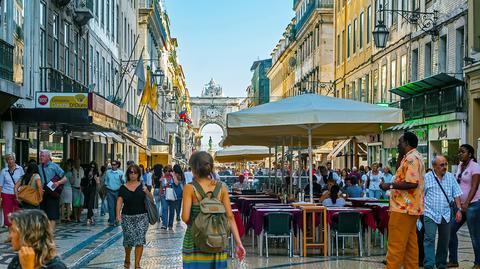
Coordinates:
(242, 154)
(318, 116)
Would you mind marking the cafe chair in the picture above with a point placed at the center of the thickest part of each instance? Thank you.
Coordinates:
(249, 192)
(278, 225)
(348, 225)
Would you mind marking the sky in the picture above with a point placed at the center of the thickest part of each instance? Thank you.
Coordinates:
(221, 39)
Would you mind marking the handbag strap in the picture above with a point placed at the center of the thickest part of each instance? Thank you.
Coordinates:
(11, 176)
(440, 185)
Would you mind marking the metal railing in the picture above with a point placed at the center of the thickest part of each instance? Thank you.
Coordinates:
(309, 10)
(433, 103)
(53, 80)
(6, 60)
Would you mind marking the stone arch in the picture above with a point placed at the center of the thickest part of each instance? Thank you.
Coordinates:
(219, 123)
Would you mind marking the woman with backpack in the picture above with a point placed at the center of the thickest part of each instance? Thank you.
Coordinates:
(196, 253)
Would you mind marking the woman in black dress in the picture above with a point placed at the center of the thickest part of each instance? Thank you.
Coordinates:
(133, 216)
(89, 186)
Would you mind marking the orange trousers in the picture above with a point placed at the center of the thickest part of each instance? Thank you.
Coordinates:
(402, 241)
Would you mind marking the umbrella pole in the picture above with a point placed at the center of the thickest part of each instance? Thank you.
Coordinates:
(291, 167)
(300, 170)
(310, 162)
(269, 165)
(276, 169)
(283, 162)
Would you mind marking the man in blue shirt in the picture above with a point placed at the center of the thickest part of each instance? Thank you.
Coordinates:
(352, 189)
(113, 182)
(438, 212)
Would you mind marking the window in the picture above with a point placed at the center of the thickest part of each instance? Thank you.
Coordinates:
(343, 45)
(92, 65)
(404, 5)
(43, 34)
(415, 65)
(369, 23)
(375, 86)
(394, 15)
(351, 94)
(459, 52)
(55, 40)
(104, 77)
(84, 63)
(108, 80)
(428, 60)
(383, 85)
(349, 34)
(338, 49)
(355, 35)
(97, 7)
(393, 74)
(442, 54)
(66, 41)
(108, 16)
(358, 95)
(364, 89)
(75, 56)
(403, 69)
(360, 36)
(118, 27)
(97, 68)
(102, 12)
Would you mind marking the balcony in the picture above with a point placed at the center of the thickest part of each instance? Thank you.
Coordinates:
(6, 60)
(314, 4)
(61, 3)
(83, 12)
(433, 103)
(134, 124)
(52, 80)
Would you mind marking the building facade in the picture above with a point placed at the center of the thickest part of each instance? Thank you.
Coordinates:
(259, 91)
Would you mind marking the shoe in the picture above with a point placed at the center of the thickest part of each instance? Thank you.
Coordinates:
(163, 227)
(170, 228)
(452, 265)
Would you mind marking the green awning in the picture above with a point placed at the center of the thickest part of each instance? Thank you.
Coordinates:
(437, 81)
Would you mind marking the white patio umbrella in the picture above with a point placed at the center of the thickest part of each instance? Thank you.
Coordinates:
(317, 116)
(242, 154)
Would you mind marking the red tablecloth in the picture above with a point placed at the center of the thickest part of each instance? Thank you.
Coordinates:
(368, 218)
(258, 214)
(245, 203)
(239, 222)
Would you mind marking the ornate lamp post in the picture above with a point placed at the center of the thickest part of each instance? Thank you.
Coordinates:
(426, 21)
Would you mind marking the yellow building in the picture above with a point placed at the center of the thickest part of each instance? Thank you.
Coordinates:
(472, 73)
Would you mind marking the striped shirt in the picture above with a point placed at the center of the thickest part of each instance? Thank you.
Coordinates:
(436, 205)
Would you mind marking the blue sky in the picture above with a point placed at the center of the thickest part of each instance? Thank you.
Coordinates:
(222, 38)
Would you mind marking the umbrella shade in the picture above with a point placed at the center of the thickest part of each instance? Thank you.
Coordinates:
(269, 141)
(242, 154)
(332, 117)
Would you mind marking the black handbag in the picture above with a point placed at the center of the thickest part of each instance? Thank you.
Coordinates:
(152, 212)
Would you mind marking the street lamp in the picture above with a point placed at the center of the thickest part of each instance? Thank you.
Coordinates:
(380, 34)
(159, 76)
(426, 21)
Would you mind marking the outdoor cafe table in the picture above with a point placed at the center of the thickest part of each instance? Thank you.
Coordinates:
(239, 222)
(359, 202)
(368, 220)
(245, 203)
(257, 220)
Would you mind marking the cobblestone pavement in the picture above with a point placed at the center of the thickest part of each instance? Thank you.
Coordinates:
(99, 246)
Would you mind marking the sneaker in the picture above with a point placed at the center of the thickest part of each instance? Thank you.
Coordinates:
(163, 227)
(170, 228)
(452, 265)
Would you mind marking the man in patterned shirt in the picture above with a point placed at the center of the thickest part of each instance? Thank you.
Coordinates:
(406, 205)
(438, 211)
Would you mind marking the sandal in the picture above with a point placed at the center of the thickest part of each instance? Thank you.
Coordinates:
(126, 265)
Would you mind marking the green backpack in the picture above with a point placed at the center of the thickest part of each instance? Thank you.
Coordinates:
(210, 229)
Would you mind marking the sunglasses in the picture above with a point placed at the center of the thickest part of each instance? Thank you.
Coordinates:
(132, 172)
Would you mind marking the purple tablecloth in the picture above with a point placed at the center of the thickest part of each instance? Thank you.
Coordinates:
(258, 214)
(245, 203)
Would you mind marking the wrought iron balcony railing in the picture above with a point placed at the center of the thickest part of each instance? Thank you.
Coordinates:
(6, 60)
(52, 80)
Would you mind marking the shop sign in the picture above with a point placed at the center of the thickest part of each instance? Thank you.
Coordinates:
(444, 131)
(61, 100)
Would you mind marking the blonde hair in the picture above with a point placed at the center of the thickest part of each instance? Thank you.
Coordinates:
(35, 231)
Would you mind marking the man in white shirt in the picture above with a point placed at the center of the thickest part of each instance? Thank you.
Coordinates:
(9, 176)
(188, 176)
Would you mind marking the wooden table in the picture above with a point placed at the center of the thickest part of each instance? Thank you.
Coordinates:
(311, 241)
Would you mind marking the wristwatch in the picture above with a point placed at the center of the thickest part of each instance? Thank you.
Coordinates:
(391, 186)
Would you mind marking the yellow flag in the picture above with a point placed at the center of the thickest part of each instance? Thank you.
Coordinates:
(153, 96)
(147, 91)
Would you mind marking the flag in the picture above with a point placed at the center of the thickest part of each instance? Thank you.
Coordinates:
(146, 91)
(153, 96)
(140, 73)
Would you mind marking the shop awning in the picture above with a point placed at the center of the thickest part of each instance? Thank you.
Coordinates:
(115, 137)
(99, 137)
(340, 146)
(437, 81)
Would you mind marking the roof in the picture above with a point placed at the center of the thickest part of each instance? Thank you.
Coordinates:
(437, 81)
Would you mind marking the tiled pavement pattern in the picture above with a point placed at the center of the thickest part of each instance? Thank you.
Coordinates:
(101, 247)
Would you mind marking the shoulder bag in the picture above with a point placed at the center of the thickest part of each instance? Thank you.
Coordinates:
(170, 194)
(451, 204)
(29, 195)
(58, 190)
(152, 212)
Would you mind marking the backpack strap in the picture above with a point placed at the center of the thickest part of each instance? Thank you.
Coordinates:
(218, 188)
(199, 189)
